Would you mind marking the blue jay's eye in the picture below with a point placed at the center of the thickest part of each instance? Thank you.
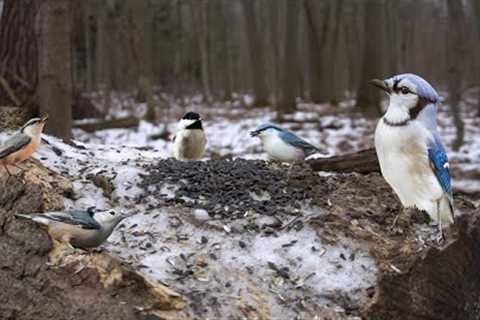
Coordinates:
(404, 90)
(112, 213)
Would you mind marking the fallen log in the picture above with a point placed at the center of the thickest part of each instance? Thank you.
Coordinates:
(128, 122)
(364, 161)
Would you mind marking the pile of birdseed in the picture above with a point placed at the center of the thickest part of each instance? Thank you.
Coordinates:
(229, 188)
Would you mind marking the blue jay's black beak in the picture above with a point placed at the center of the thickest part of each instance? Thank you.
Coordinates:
(380, 84)
(254, 133)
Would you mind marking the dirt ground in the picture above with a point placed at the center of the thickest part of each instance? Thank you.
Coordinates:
(240, 239)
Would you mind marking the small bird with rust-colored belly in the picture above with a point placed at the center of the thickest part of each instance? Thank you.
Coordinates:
(22, 144)
(189, 142)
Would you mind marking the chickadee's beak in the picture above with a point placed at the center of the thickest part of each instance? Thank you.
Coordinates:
(44, 118)
(254, 133)
(380, 84)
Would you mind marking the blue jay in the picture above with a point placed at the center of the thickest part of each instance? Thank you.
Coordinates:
(283, 145)
(80, 229)
(411, 155)
(189, 142)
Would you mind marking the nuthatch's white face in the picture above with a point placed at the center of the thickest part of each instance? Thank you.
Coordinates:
(109, 217)
(34, 127)
(263, 133)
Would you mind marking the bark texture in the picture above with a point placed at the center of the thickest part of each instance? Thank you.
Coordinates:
(54, 65)
(18, 70)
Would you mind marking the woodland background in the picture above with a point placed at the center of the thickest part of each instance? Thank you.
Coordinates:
(55, 53)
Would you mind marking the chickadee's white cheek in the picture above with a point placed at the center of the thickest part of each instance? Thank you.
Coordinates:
(185, 123)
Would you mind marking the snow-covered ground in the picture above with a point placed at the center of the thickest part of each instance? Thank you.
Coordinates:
(106, 168)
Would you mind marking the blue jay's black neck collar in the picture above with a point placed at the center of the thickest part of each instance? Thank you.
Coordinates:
(196, 125)
(412, 113)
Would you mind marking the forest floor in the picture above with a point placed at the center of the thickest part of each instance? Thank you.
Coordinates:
(236, 237)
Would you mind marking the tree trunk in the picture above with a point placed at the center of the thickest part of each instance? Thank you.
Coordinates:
(54, 65)
(88, 46)
(202, 23)
(257, 59)
(476, 19)
(18, 52)
(289, 83)
(313, 52)
(141, 36)
(456, 55)
(373, 58)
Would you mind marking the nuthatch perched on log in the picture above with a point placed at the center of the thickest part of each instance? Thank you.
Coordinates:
(189, 142)
(22, 144)
(80, 229)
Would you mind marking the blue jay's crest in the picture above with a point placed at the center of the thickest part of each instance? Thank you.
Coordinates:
(422, 88)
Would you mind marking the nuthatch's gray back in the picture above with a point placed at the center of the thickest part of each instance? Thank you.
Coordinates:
(81, 229)
(189, 142)
(22, 144)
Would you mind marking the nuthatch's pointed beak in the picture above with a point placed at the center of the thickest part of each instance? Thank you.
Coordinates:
(380, 84)
(44, 118)
(254, 133)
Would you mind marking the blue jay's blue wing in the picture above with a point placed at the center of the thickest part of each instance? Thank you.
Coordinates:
(439, 161)
(13, 144)
(82, 219)
(297, 142)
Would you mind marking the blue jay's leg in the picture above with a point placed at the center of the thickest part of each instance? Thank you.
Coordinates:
(441, 235)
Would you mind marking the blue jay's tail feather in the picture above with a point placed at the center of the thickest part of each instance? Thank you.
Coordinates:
(446, 210)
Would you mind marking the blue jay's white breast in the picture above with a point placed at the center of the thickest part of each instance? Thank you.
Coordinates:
(277, 149)
(403, 156)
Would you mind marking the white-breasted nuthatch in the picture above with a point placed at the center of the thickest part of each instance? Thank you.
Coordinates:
(189, 142)
(80, 229)
(22, 144)
(283, 145)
